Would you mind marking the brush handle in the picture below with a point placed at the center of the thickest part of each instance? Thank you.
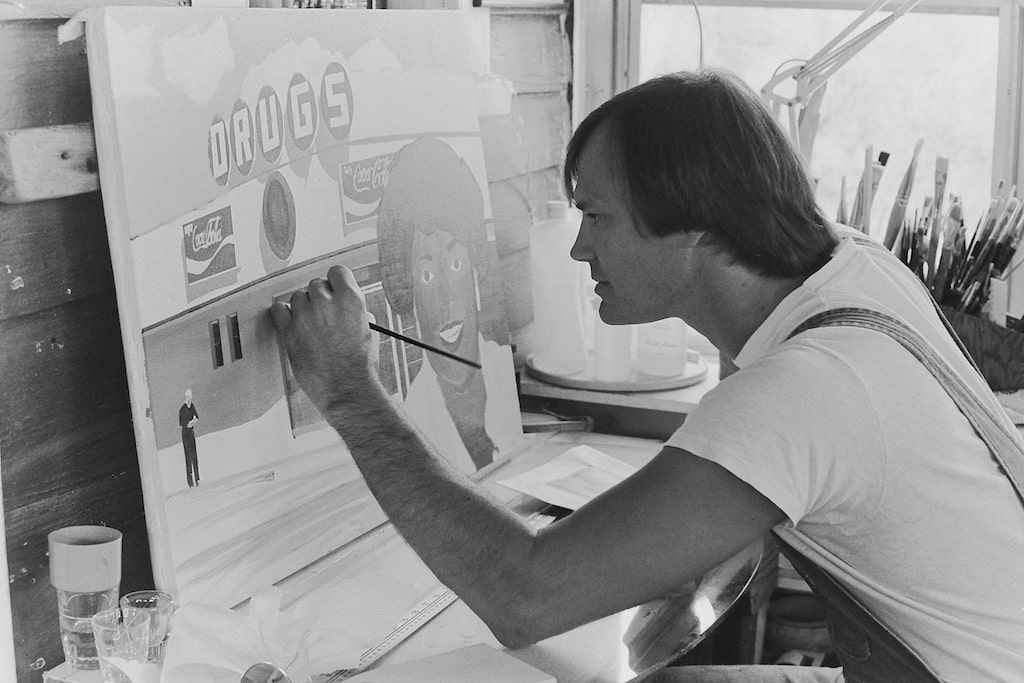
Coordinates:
(422, 345)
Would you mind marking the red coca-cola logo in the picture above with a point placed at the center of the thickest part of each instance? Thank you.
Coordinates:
(373, 176)
(209, 235)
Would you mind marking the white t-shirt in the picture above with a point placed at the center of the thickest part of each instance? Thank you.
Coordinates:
(884, 482)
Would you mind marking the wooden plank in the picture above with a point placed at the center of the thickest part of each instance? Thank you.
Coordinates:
(41, 83)
(47, 162)
(52, 253)
(68, 457)
(64, 396)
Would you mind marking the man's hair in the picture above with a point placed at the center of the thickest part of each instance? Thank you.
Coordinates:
(701, 151)
(432, 188)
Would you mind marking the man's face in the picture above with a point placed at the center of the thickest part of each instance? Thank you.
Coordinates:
(188, 398)
(640, 277)
(445, 297)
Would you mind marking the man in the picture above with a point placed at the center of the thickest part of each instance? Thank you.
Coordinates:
(838, 440)
(188, 416)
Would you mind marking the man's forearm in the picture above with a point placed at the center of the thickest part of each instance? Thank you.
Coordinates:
(472, 543)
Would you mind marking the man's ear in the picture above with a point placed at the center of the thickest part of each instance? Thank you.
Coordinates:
(694, 238)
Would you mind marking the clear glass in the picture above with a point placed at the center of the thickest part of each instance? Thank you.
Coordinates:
(160, 607)
(75, 610)
(927, 76)
(122, 643)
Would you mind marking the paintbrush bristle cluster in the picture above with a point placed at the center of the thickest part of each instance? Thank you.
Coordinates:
(956, 267)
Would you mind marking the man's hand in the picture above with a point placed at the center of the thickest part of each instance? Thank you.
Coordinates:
(325, 329)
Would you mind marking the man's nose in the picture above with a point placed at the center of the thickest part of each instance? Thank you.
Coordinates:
(581, 249)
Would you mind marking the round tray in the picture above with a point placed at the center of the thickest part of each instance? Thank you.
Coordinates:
(696, 370)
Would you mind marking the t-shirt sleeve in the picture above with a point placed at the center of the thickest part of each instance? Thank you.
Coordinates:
(794, 425)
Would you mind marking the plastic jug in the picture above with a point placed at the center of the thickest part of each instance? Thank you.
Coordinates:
(558, 342)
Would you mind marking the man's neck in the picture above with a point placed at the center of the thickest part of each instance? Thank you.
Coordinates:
(738, 302)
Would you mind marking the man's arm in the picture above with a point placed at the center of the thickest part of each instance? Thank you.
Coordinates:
(666, 525)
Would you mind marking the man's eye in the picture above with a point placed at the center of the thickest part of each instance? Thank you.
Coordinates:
(456, 265)
(426, 276)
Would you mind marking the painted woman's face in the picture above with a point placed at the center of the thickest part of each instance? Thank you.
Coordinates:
(445, 295)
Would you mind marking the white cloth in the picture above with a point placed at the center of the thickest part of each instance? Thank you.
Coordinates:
(884, 482)
(216, 645)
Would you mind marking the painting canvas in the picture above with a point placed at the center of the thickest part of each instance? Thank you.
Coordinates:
(242, 153)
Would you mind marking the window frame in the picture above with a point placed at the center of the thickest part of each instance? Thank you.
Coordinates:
(604, 73)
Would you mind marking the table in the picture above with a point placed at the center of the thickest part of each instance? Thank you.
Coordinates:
(622, 647)
(658, 632)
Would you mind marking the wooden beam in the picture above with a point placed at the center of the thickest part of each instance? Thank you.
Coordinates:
(49, 162)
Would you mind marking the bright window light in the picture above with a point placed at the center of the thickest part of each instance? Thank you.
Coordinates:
(928, 75)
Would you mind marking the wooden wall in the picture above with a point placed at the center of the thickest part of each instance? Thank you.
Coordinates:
(67, 451)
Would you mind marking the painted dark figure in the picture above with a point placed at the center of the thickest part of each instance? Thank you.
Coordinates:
(187, 418)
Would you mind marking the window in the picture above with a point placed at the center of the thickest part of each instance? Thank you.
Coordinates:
(236, 337)
(942, 73)
(216, 346)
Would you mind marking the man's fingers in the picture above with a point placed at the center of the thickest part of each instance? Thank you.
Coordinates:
(281, 314)
(298, 299)
(341, 278)
(318, 287)
(343, 282)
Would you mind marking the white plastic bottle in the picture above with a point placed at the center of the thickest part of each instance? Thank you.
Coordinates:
(613, 351)
(661, 348)
(558, 343)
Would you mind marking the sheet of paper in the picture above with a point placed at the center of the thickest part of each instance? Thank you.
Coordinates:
(575, 477)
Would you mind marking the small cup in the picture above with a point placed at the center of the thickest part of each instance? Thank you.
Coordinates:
(85, 568)
(122, 643)
(160, 607)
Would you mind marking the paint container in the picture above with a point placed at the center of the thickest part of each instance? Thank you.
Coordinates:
(558, 343)
(613, 351)
(661, 348)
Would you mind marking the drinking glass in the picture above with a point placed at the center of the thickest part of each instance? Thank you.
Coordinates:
(160, 607)
(122, 643)
(85, 569)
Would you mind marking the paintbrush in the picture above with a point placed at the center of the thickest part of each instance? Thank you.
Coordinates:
(899, 209)
(954, 222)
(423, 345)
(941, 174)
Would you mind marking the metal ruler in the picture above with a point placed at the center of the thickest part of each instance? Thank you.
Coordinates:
(425, 610)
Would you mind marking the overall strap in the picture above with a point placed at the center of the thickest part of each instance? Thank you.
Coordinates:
(1005, 446)
(882, 252)
(867, 649)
